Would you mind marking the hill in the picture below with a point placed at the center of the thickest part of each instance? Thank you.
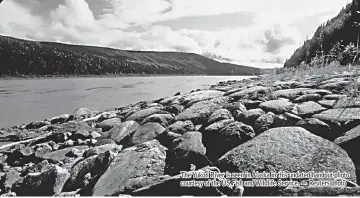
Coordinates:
(23, 57)
(335, 40)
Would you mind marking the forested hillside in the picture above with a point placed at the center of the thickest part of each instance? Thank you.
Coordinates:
(335, 40)
(21, 57)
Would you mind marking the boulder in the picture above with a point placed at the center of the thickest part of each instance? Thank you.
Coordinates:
(277, 106)
(308, 97)
(170, 186)
(36, 125)
(307, 109)
(339, 115)
(327, 103)
(249, 117)
(133, 168)
(199, 112)
(122, 132)
(319, 128)
(288, 149)
(102, 149)
(108, 124)
(350, 141)
(218, 141)
(334, 97)
(140, 115)
(47, 183)
(163, 119)
(175, 109)
(181, 127)
(217, 126)
(264, 122)
(96, 165)
(145, 133)
(221, 114)
(289, 93)
(185, 150)
(82, 113)
(167, 137)
(321, 92)
(246, 93)
(347, 102)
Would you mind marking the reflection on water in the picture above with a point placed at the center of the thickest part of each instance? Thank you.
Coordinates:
(23, 101)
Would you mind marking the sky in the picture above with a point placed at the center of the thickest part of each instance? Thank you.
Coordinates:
(261, 33)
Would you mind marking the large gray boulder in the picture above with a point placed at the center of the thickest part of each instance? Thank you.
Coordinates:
(288, 149)
(133, 168)
(145, 133)
(185, 150)
(94, 165)
(219, 140)
(277, 106)
(125, 129)
(140, 115)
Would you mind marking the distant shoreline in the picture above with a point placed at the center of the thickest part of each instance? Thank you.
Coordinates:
(38, 77)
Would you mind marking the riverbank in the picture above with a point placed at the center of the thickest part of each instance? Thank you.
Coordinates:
(277, 122)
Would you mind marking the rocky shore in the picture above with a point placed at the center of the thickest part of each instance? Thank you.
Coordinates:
(145, 149)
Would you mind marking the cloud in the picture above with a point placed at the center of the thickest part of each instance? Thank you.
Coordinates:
(237, 31)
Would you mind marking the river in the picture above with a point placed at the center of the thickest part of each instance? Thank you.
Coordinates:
(27, 100)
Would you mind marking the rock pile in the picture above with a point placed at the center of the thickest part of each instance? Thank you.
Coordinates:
(146, 148)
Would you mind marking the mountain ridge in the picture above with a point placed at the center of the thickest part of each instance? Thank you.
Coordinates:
(26, 57)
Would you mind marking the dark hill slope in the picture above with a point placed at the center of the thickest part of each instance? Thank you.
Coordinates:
(340, 29)
(23, 57)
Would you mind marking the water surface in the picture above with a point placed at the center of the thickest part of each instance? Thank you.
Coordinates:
(24, 101)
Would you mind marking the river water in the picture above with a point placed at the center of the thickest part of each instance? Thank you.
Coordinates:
(24, 101)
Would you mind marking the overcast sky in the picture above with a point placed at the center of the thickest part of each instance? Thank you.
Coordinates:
(251, 32)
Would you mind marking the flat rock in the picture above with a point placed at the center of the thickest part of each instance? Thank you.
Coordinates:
(289, 93)
(334, 96)
(277, 106)
(308, 108)
(319, 128)
(339, 115)
(288, 149)
(327, 103)
(322, 92)
(249, 91)
(346, 102)
(145, 133)
(125, 129)
(133, 168)
(60, 155)
(308, 97)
